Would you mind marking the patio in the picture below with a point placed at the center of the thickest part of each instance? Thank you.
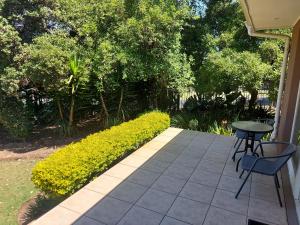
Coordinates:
(181, 177)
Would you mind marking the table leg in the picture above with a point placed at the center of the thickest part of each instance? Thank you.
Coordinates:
(249, 144)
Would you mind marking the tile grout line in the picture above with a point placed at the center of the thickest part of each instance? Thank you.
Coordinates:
(134, 204)
(161, 174)
(216, 188)
(177, 195)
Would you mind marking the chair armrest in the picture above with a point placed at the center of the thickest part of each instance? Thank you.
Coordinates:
(271, 143)
(274, 157)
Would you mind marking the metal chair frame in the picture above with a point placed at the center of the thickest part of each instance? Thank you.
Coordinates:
(254, 169)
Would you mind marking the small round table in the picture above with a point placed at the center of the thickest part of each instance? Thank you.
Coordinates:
(251, 128)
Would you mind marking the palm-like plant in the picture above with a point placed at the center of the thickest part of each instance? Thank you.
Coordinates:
(73, 83)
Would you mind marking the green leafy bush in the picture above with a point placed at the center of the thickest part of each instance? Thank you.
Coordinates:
(71, 167)
(15, 117)
(220, 130)
(185, 121)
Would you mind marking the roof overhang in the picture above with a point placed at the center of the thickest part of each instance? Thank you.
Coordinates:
(271, 14)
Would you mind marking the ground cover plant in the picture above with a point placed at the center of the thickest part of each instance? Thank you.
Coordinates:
(71, 167)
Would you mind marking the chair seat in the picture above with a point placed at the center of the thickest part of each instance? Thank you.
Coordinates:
(265, 167)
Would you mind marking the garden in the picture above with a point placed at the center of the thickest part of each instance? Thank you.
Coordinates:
(85, 83)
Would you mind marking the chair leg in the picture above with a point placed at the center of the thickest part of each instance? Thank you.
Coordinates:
(261, 149)
(237, 165)
(242, 173)
(277, 190)
(239, 191)
(236, 142)
(237, 149)
(277, 181)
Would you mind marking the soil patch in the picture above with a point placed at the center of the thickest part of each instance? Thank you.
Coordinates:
(43, 141)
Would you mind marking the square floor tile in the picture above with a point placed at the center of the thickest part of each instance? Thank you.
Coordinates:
(211, 166)
(188, 211)
(205, 178)
(198, 192)
(199, 143)
(263, 179)
(163, 139)
(211, 155)
(82, 200)
(226, 200)
(134, 160)
(197, 150)
(143, 177)
(168, 184)
(171, 221)
(165, 156)
(140, 216)
(187, 161)
(87, 221)
(155, 166)
(265, 192)
(267, 211)
(104, 184)
(216, 216)
(230, 171)
(120, 171)
(157, 201)
(183, 140)
(154, 146)
(181, 172)
(233, 184)
(109, 211)
(173, 148)
(58, 215)
(145, 152)
(128, 192)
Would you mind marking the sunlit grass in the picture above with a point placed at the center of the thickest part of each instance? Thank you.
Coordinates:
(15, 188)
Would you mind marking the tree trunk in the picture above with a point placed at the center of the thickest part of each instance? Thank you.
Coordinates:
(61, 115)
(254, 94)
(104, 108)
(71, 114)
(120, 102)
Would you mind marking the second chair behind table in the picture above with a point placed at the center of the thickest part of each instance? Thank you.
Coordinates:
(242, 135)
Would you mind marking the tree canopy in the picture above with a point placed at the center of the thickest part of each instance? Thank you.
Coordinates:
(62, 60)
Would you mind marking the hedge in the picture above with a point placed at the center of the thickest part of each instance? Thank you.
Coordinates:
(73, 166)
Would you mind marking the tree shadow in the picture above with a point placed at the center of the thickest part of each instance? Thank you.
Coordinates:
(47, 137)
(36, 207)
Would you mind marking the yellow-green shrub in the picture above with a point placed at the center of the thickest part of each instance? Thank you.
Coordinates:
(71, 167)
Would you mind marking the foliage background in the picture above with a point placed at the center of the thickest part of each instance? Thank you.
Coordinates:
(63, 61)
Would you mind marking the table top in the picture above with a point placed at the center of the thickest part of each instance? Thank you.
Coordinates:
(251, 126)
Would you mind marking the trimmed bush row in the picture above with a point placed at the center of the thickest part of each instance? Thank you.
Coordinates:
(73, 166)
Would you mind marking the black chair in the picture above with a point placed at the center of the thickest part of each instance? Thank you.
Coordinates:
(268, 166)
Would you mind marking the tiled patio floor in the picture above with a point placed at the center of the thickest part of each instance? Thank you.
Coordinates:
(179, 178)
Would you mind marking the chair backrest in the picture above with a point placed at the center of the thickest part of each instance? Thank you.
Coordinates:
(287, 154)
(267, 121)
(241, 134)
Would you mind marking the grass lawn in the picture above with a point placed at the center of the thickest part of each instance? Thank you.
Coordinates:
(15, 188)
